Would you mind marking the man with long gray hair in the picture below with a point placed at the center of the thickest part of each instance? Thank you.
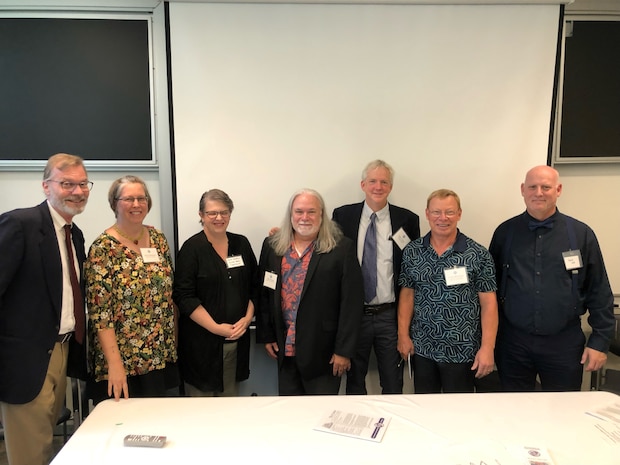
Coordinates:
(311, 301)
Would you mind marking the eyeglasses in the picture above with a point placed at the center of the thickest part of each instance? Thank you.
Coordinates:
(300, 212)
(438, 213)
(213, 214)
(131, 200)
(70, 186)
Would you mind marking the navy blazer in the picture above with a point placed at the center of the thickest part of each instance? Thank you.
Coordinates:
(30, 302)
(330, 308)
(348, 218)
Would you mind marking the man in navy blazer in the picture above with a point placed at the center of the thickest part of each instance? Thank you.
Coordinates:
(311, 301)
(395, 228)
(37, 320)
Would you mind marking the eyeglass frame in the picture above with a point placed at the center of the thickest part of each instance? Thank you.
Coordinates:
(447, 214)
(69, 186)
(212, 214)
(142, 200)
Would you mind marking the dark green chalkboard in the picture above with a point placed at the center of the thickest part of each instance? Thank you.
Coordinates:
(75, 85)
(591, 97)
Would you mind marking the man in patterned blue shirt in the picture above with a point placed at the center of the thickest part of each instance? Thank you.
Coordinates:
(447, 312)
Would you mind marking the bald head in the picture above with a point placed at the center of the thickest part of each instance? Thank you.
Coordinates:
(540, 191)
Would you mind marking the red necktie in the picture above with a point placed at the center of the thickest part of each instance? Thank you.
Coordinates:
(78, 301)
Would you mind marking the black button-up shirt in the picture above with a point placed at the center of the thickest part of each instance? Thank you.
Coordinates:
(537, 290)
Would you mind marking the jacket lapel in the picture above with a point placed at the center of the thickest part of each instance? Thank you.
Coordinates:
(312, 266)
(50, 257)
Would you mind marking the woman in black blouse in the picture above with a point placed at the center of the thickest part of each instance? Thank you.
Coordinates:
(214, 287)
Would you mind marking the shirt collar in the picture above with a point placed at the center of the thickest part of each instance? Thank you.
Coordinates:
(381, 214)
(527, 217)
(460, 244)
(59, 221)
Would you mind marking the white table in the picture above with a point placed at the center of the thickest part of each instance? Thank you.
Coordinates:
(424, 430)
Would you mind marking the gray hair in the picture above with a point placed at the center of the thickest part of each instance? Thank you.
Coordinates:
(378, 164)
(215, 195)
(117, 187)
(329, 232)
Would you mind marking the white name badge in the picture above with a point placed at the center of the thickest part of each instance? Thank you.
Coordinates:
(149, 254)
(234, 262)
(572, 259)
(401, 238)
(270, 281)
(456, 275)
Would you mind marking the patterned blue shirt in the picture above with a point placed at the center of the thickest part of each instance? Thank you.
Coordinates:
(446, 324)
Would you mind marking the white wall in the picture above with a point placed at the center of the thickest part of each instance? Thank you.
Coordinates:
(591, 194)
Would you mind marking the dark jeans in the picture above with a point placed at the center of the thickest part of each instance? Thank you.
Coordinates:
(556, 359)
(430, 377)
(380, 331)
(290, 382)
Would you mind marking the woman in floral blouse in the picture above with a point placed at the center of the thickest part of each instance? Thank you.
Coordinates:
(129, 295)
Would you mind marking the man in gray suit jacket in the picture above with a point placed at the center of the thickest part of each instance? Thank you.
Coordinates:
(40, 330)
(395, 227)
(311, 301)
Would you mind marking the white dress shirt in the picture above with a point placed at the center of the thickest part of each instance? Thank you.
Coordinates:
(385, 263)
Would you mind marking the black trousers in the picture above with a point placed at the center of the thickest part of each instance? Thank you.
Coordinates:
(381, 332)
(430, 377)
(555, 359)
(290, 382)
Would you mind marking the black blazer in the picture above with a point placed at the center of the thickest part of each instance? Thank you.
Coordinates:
(30, 302)
(348, 218)
(330, 309)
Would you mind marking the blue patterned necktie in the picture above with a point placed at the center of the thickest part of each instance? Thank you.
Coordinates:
(369, 260)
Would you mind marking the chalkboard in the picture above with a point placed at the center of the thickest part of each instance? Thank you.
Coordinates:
(591, 98)
(77, 85)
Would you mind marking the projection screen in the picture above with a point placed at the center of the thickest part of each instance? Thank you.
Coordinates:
(270, 98)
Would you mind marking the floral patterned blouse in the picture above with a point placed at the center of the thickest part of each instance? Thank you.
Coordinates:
(135, 299)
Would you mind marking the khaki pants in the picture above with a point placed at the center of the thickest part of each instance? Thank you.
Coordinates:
(29, 428)
(231, 387)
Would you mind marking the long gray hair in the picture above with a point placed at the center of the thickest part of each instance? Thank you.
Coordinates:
(329, 232)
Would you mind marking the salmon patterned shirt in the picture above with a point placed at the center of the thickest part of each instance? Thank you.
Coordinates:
(294, 269)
